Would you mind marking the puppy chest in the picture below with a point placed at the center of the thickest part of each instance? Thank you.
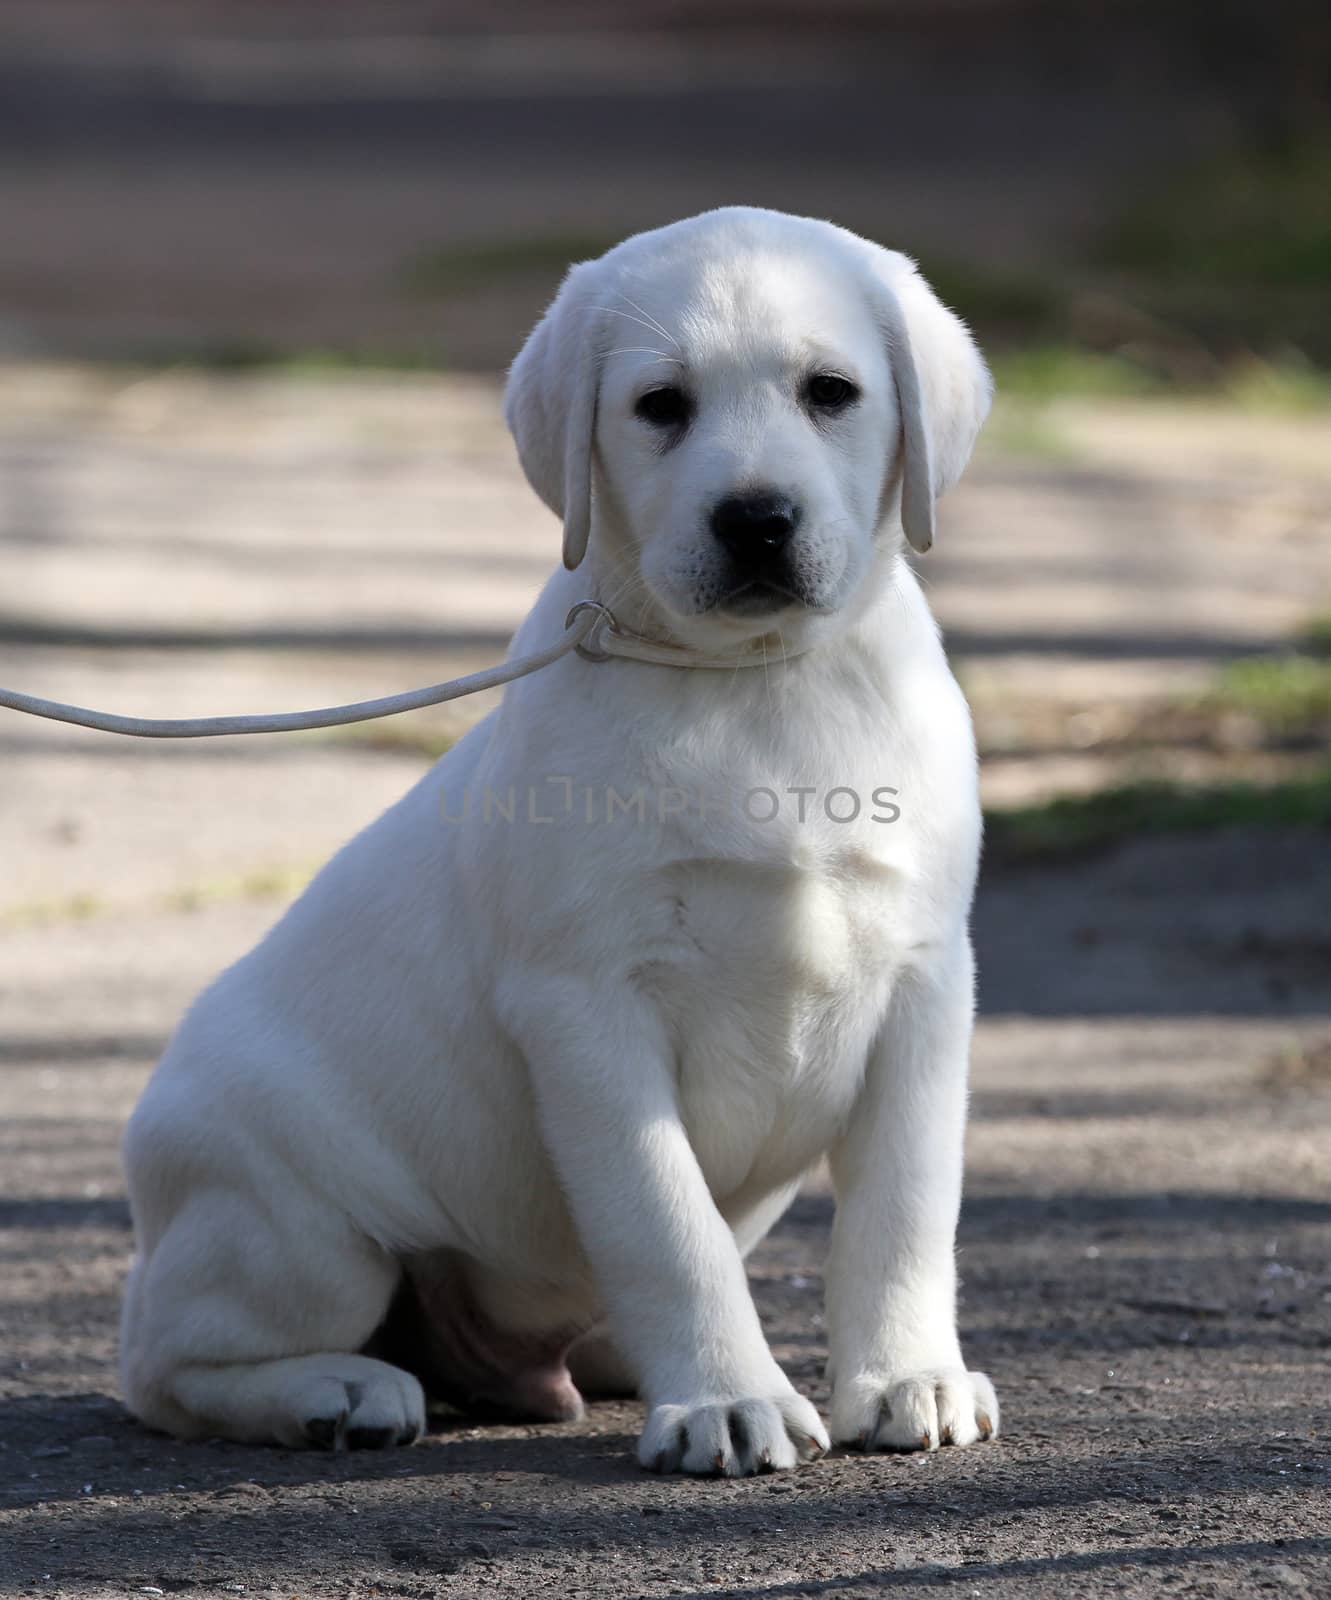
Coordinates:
(772, 983)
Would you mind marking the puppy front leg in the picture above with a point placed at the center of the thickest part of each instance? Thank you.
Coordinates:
(666, 1263)
(899, 1382)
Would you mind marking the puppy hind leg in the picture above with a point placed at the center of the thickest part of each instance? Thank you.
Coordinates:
(327, 1401)
(244, 1328)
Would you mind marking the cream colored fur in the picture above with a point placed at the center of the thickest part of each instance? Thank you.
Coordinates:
(593, 1049)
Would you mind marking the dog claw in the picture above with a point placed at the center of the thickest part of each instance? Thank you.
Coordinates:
(985, 1425)
(326, 1432)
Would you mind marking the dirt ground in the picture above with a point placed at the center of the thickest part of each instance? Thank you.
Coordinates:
(1146, 1240)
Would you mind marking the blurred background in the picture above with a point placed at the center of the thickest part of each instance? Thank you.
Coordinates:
(262, 266)
(249, 181)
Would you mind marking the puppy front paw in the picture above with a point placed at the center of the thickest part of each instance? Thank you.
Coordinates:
(733, 1438)
(915, 1411)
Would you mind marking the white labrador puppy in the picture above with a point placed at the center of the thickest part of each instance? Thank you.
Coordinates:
(541, 1054)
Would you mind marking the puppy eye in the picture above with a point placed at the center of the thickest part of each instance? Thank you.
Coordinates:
(828, 391)
(666, 407)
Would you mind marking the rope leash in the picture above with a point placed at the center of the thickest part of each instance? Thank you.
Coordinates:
(590, 629)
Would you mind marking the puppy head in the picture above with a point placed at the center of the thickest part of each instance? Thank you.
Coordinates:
(742, 413)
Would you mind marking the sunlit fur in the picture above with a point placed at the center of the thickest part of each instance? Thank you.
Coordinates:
(593, 1051)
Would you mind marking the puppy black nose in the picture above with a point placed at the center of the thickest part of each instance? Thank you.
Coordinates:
(755, 525)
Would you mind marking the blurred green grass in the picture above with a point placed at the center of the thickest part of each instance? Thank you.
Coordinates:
(1078, 825)
(1048, 372)
(463, 269)
(1215, 279)
(246, 356)
(1286, 695)
(1316, 635)
(1244, 219)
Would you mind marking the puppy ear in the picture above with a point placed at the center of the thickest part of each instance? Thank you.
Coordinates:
(944, 389)
(550, 406)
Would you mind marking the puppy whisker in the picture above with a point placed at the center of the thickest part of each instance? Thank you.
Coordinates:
(643, 350)
(664, 332)
(651, 327)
